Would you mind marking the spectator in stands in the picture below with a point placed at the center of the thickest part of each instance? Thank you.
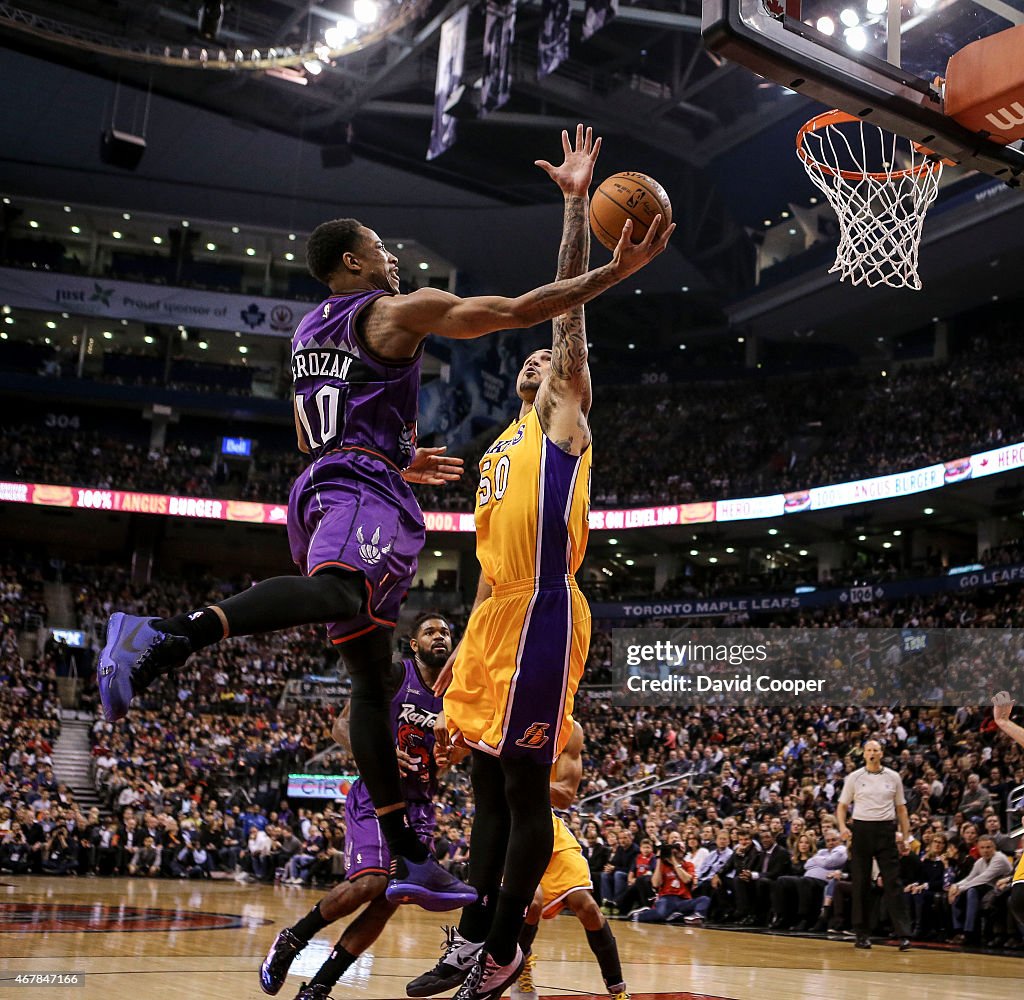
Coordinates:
(752, 888)
(673, 879)
(965, 896)
(709, 877)
(146, 861)
(798, 898)
(745, 860)
(975, 799)
(615, 874)
(639, 891)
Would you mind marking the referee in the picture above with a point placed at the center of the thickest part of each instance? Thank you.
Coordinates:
(876, 793)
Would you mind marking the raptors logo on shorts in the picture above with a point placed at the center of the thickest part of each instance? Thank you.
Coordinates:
(535, 736)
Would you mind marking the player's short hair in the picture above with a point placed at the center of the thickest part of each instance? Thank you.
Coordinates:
(328, 243)
(426, 616)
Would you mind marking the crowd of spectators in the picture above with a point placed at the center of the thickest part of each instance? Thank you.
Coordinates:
(29, 727)
(742, 438)
(728, 816)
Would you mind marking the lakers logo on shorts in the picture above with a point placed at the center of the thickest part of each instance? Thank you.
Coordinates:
(535, 736)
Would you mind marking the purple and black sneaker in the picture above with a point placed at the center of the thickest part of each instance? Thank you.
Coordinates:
(427, 884)
(134, 656)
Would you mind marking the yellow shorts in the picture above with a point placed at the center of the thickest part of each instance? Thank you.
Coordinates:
(566, 872)
(518, 670)
(1018, 872)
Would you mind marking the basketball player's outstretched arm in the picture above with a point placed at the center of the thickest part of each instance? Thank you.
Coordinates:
(404, 320)
(564, 398)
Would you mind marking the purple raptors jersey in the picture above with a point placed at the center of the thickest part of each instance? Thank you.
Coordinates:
(414, 710)
(346, 396)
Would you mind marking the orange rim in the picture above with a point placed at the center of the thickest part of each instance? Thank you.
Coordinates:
(828, 118)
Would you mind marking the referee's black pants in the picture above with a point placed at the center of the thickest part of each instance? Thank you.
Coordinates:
(876, 840)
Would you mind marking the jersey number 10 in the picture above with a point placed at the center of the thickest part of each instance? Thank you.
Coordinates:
(326, 406)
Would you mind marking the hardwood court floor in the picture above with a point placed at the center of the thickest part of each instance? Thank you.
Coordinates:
(204, 941)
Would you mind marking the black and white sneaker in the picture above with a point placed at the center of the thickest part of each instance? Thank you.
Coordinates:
(457, 958)
(274, 969)
(314, 991)
(487, 980)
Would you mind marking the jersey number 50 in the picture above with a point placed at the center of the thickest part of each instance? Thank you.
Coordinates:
(493, 486)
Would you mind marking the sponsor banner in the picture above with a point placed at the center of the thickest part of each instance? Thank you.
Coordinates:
(450, 56)
(880, 488)
(988, 463)
(121, 501)
(50, 292)
(553, 43)
(739, 607)
(820, 498)
(320, 786)
(652, 517)
(750, 507)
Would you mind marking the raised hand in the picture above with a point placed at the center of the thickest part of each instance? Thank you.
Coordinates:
(577, 170)
(629, 257)
(1002, 706)
(431, 467)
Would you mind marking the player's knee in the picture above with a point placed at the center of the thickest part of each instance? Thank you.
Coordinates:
(1017, 902)
(368, 888)
(586, 909)
(342, 591)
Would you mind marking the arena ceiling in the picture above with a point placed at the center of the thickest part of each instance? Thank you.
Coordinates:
(718, 137)
(645, 81)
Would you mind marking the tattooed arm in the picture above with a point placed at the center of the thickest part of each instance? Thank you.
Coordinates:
(563, 400)
(395, 324)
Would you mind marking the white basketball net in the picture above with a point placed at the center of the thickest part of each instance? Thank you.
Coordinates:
(880, 187)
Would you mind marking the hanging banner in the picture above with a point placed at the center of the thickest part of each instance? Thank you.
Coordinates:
(597, 14)
(107, 299)
(450, 56)
(553, 45)
(499, 34)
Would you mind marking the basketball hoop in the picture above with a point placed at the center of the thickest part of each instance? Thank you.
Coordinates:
(881, 212)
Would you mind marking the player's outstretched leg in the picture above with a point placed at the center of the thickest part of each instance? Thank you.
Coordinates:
(139, 650)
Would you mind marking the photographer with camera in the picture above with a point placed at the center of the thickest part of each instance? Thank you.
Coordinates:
(673, 879)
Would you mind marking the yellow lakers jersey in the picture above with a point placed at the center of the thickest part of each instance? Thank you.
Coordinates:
(532, 506)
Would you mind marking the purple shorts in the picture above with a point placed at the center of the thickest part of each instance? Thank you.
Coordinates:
(353, 510)
(366, 850)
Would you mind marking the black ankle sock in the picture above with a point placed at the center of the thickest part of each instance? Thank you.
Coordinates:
(202, 628)
(527, 936)
(606, 951)
(334, 968)
(509, 917)
(309, 924)
(400, 836)
(475, 922)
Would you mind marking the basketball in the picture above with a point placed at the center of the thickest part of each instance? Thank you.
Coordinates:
(628, 195)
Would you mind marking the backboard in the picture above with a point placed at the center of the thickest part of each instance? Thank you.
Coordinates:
(876, 59)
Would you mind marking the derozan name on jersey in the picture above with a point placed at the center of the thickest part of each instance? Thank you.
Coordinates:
(319, 362)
